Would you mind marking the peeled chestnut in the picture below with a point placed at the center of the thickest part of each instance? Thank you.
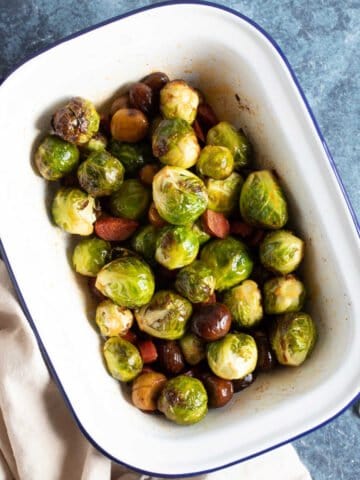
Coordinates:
(156, 81)
(219, 391)
(243, 383)
(170, 356)
(211, 321)
(266, 358)
(141, 97)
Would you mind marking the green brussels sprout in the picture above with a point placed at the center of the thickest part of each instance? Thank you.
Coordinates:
(293, 337)
(195, 282)
(244, 303)
(199, 231)
(262, 202)
(131, 200)
(176, 246)
(144, 242)
(90, 255)
(179, 100)
(192, 348)
(281, 252)
(165, 316)
(183, 400)
(77, 121)
(229, 261)
(122, 358)
(55, 157)
(112, 319)
(101, 174)
(216, 162)
(180, 196)
(74, 211)
(225, 135)
(97, 143)
(233, 356)
(133, 156)
(174, 142)
(224, 194)
(283, 294)
(127, 281)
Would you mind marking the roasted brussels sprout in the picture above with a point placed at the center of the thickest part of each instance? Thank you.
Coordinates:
(122, 358)
(179, 100)
(244, 303)
(144, 242)
(228, 260)
(165, 316)
(77, 121)
(90, 255)
(281, 252)
(174, 142)
(133, 156)
(112, 319)
(193, 348)
(55, 157)
(225, 135)
(283, 294)
(262, 202)
(97, 143)
(216, 162)
(131, 200)
(224, 194)
(183, 400)
(74, 211)
(195, 282)
(176, 246)
(233, 356)
(199, 231)
(293, 337)
(180, 196)
(127, 281)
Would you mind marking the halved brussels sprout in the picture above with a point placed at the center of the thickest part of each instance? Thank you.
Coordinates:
(122, 358)
(133, 156)
(144, 242)
(229, 261)
(225, 135)
(244, 303)
(293, 338)
(131, 200)
(180, 196)
(74, 211)
(176, 246)
(90, 255)
(215, 162)
(195, 282)
(281, 251)
(101, 174)
(112, 319)
(183, 400)
(165, 316)
(55, 157)
(233, 356)
(224, 194)
(262, 202)
(179, 100)
(193, 348)
(283, 294)
(127, 281)
(199, 231)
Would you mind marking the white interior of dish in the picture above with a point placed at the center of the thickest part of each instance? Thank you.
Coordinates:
(223, 55)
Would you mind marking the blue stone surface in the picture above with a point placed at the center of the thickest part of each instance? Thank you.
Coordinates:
(321, 40)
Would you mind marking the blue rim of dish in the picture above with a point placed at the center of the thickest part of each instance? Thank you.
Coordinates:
(337, 176)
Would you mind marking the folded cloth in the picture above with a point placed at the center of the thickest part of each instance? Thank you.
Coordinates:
(39, 439)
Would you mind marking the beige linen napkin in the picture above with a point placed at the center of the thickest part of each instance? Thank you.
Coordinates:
(39, 439)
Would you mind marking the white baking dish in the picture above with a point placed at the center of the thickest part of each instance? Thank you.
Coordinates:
(225, 55)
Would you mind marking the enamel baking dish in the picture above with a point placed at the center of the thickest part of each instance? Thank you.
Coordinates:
(249, 82)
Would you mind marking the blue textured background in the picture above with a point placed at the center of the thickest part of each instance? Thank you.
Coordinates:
(321, 40)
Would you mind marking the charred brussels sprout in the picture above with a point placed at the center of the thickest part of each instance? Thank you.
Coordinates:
(131, 200)
(179, 100)
(133, 156)
(193, 348)
(122, 358)
(195, 282)
(127, 281)
(176, 246)
(77, 121)
(262, 202)
(112, 319)
(244, 303)
(224, 194)
(97, 143)
(74, 211)
(233, 356)
(90, 255)
(183, 400)
(180, 196)
(199, 231)
(55, 157)
(215, 162)
(174, 142)
(144, 242)
(228, 260)
(165, 316)
(225, 135)
(293, 337)
(283, 294)
(281, 252)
